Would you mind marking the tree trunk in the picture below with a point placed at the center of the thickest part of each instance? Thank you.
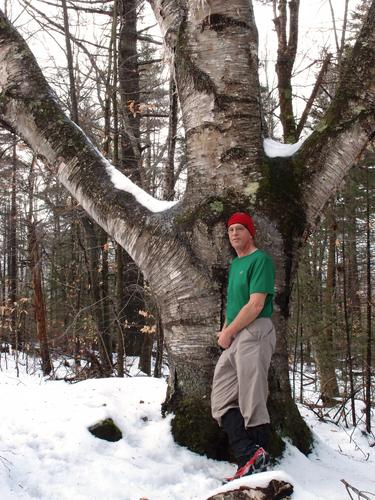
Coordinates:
(128, 73)
(286, 55)
(104, 293)
(325, 351)
(159, 349)
(130, 161)
(169, 176)
(146, 353)
(119, 303)
(370, 340)
(354, 304)
(40, 312)
(348, 334)
(98, 311)
(35, 264)
(12, 253)
(69, 56)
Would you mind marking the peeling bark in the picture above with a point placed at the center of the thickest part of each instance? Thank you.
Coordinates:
(214, 51)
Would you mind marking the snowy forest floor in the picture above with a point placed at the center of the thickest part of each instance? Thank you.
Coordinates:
(47, 453)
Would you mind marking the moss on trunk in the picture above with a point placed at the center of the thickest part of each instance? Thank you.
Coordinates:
(286, 421)
(194, 427)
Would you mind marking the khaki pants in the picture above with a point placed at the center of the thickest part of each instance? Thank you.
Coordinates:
(241, 374)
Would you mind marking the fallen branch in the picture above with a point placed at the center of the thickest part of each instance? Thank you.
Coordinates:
(276, 490)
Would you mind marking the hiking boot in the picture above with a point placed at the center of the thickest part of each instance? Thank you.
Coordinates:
(257, 463)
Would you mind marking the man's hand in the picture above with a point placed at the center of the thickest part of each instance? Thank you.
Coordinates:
(224, 338)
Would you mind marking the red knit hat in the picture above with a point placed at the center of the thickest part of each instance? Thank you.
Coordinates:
(244, 219)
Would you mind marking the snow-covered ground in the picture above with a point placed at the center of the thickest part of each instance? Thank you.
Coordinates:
(46, 451)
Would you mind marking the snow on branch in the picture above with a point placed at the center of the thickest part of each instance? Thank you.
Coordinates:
(120, 181)
(274, 149)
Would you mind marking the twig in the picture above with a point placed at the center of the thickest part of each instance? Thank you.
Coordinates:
(367, 456)
(5, 462)
(361, 494)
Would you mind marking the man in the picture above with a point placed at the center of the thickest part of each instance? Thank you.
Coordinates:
(240, 384)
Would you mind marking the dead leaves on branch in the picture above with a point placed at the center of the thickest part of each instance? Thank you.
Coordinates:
(139, 108)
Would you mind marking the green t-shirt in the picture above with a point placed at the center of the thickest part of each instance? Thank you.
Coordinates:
(254, 273)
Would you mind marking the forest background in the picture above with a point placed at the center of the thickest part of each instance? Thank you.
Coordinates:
(68, 291)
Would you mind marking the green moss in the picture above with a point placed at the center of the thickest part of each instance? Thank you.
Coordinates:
(217, 206)
(66, 139)
(107, 430)
(4, 24)
(213, 210)
(291, 426)
(281, 187)
(279, 197)
(276, 446)
(286, 421)
(194, 427)
(2, 99)
(358, 110)
(251, 190)
(322, 126)
(287, 93)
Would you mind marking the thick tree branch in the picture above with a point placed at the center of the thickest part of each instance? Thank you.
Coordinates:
(314, 93)
(286, 55)
(28, 105)
(213, 47)
(293, 28)
(346, 129)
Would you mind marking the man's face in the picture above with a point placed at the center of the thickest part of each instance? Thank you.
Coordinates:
(239, 237)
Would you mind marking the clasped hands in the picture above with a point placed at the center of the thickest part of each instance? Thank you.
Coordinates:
(224, 338)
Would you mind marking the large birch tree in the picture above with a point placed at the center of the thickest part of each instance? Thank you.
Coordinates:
(182, 248)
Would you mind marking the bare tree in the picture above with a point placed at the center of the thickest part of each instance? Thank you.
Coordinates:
(35, 264)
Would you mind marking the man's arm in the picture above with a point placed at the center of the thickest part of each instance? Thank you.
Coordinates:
(247, 315)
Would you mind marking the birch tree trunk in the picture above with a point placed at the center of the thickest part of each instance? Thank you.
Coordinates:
(183, 250)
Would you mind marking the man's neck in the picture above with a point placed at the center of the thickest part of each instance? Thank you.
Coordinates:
(247, 251)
